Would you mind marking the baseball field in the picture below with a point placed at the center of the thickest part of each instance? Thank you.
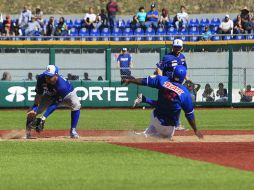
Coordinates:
(109, 155)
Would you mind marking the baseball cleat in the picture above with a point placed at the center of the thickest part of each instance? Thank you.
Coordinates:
(138, 100)
(180, 128)
(74, 134)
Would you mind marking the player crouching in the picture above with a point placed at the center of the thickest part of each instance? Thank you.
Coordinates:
(52, 91)
(172, 97)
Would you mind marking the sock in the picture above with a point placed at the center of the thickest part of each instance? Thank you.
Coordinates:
(50, 110)
(74, 118)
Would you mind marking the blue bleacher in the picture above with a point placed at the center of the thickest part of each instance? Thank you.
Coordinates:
(215, 22)
(194, 31)
(128, 24)
(194, 22)
(228, 37)
(69, 23)
(239, 37)
(150, 34)
(83, 33)
(182, 34)
(117, 33)
(161, 32)
(105, 33)
(94, 34)
(170, 23)
(139, 32)
(250, 37)
(127, 34)
(171, 32)
(77, 23)
(73, 33)
(120, 23)
(204, 22)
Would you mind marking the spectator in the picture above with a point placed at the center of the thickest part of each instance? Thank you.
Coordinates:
(69, 76)
(7, 26)
(102, 20)
(33, 27)
(164, 18)
(208, 94)
(152, 17)
(38, 15)
(246, 19)
(124, 62)
(25, 17)
(89, 19)
(246, 96)
(6, 76)
(29, 76)
(16, 28)
(112, 9)
(181, 19)
(61, 29)
(86, 77)
(238, 27)
(193, 89)
(100, 78)
(226, 26)
(49, 29)
(206, 34)
(141, 17)
(222, 93)
(134, 23)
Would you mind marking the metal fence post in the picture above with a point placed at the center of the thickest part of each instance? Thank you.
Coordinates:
(230, 75)
(108, 64)
(52, 56)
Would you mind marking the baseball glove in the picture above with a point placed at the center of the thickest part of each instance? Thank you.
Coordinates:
(37, 124)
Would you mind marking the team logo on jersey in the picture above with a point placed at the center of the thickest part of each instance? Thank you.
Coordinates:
(174, 88)
(16, 94)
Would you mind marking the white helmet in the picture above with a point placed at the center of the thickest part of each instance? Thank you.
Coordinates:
(178, 43)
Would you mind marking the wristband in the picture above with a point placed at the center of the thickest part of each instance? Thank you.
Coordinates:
(35, 108)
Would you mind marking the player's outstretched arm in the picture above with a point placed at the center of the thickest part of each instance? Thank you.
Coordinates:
(194, 127)
(137, 81)
(32, 112)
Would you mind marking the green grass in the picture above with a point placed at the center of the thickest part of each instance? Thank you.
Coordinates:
(132, 119)
(77, 165)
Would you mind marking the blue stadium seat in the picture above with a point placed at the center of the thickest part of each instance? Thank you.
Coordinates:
(239, 37)
(83, 33)
(215, 37)
(215, 22)
(182, 34)
(69, 23)
(214, 29)
(172, 32)
(117, 33)
(194, 22)
(250, 37)
(128, 24)
(160, 34)
(120, 23)
(77, 23)
(73, 33)
(128, 33)
(94, 35)
(204, 22)
(227, 37)
(194, 32)
(139, 34)
(150, 33)
(170, 23)
(105, 33)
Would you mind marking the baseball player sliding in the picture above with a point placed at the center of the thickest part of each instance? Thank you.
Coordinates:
(52, 91)
(172, 97)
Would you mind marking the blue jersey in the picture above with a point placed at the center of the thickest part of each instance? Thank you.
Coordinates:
(169, 62)
(58, 90)
(152, 13)
(172, 97)
(125, 60)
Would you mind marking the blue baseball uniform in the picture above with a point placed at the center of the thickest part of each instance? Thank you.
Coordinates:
(169, 62)
(172, 97)
(60, 94)
(125, 63)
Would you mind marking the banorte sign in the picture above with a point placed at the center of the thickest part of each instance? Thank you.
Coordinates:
(18, 93)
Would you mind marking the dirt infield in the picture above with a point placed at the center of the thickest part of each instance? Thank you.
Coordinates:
(232, 148)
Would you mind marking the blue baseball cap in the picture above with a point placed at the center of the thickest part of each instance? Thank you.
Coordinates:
(179, 73)
(51, 70)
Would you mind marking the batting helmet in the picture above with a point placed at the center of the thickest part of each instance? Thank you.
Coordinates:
(179, 74)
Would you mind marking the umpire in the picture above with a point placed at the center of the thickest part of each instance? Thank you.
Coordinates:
(124, 62)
